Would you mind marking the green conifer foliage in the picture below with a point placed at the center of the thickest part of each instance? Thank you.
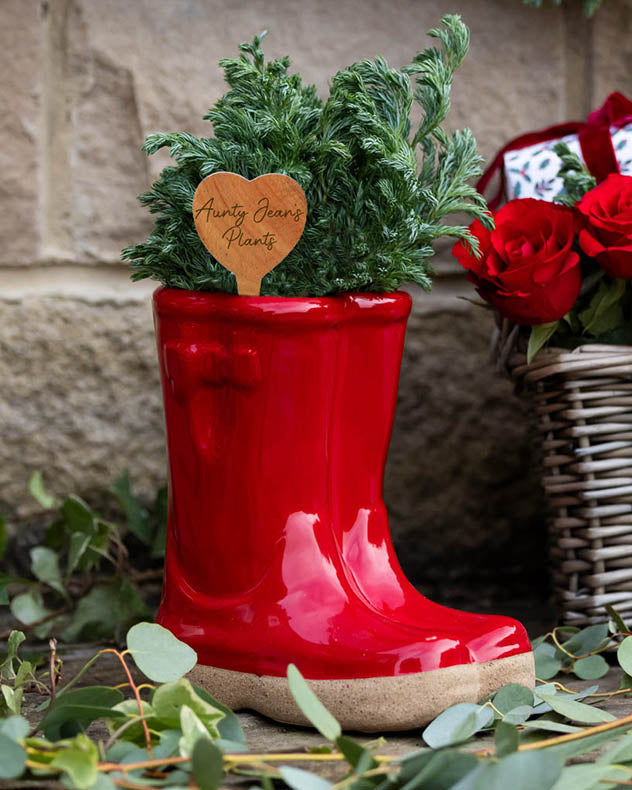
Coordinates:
(377, 192)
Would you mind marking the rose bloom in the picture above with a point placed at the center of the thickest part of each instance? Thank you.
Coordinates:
(607, 233)
(527, 270)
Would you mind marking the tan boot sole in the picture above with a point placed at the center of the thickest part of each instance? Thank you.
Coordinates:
(378, 704)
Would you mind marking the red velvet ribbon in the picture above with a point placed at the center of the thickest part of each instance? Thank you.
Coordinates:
(594, 139)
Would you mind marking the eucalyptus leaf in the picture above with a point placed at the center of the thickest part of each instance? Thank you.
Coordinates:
(624, 655)
(506, 738)
(71, 712)
(457, 724)
(518, 715)
(229, 727)
(78, 759)
(441, 771)
(158, 653)
(169, 699)
(586, 776)
(547, 663)
(551, 726)
(208, 764)
(192, 730)
(591, 667)
(14, 727)
(521, 771)
(587, 640)
(298, 779)
(39, 492)
(311, 707)
(576, 711)
(511, 696)
(616, 623)
(12, 758)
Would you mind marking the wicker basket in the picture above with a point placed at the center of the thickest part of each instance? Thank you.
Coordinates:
(583, 400)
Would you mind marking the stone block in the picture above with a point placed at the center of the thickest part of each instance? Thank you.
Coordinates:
(20, 98)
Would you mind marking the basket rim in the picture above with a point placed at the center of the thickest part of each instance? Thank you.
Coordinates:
(611, 359)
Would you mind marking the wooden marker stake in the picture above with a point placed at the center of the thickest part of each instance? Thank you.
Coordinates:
(249, 226)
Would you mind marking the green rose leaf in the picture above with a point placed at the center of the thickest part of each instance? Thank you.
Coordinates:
(298, 779)
(457, 724)
(208, 764)
(540, 334)
(12, 758)
(576, 711)
(604, 311)
(158, 653)
(71, 712)
(591, 667)
(312, 708)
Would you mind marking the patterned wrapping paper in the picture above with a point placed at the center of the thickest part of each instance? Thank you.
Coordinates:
(531, 172)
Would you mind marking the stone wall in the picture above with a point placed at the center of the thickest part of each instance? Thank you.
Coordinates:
(83, 82)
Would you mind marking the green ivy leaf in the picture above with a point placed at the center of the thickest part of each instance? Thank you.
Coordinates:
(624, 655)
(208, 764)
(7, 670)
(591, 667)
(604, 312)
(298, 779)
(45, 567)
(78, 516)
(136, 515)
(158, 653)
(12, 758)
(79, 759)
(457, 724)
(506, 738)
(540, 334)
(12, 699)
(576, 711)
(28, 608)
(311, 707)
(161, 515)
(79, 543)
(39, 492)
(72, 711)
(3, 537)
(106, 608)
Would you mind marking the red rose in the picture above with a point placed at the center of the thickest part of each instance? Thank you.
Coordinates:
(607, 234)
(527, 269)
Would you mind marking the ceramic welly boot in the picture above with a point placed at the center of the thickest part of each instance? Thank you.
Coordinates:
(257, 575)
(370, 376)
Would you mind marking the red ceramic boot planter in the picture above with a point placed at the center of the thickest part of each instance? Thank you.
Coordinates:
(279, 413)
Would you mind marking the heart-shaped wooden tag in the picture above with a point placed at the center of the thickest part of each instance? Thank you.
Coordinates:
(249, 226)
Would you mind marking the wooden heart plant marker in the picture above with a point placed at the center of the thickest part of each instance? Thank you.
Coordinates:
(249, 226)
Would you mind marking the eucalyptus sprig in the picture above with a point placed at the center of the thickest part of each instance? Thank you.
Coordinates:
(166, 732)
(378, 193)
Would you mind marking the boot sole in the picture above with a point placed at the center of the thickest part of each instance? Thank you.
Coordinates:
(380, 704)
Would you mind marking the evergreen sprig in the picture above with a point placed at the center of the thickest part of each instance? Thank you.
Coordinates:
(573, 172)
(377, 194)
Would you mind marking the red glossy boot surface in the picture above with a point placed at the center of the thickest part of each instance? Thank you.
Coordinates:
(254, 578)
(367, 397)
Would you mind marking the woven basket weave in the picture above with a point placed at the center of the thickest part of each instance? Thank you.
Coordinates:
(583, 401)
